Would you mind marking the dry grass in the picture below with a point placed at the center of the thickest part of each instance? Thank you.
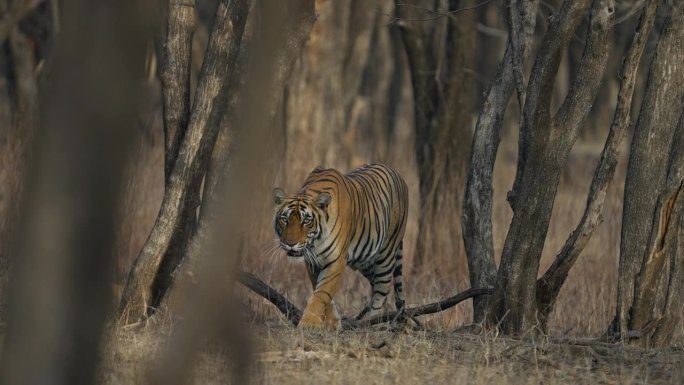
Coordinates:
(291, 356)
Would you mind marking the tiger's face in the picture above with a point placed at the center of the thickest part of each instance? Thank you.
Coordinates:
(299, 221)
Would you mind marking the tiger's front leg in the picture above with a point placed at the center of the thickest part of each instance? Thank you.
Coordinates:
(320, 310)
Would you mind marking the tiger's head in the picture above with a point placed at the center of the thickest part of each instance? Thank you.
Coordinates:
(300, 220)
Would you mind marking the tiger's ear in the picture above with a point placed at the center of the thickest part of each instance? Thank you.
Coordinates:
(278, 195)
(323, 200)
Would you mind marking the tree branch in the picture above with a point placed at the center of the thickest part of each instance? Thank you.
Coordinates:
(536, 113)
(578, 101)
(289, 310)
(550, 284)
(293, 314)
(176, 78)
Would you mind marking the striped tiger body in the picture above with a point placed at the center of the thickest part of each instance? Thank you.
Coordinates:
(357, 219)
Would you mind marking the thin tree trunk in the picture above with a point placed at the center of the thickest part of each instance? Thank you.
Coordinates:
(150, 276)
(60, 294)
(477, 203)
(550, 284)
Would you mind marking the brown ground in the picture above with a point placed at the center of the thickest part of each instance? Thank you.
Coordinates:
(439, 355)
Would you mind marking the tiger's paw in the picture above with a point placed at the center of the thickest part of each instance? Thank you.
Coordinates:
(311, 321)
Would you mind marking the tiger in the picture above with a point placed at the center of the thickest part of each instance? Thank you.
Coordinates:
(356, 219)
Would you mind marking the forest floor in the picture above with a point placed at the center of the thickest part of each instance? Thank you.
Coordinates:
(285, 355)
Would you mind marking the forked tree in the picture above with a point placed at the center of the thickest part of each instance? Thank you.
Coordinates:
(651, 249)
(193, 161)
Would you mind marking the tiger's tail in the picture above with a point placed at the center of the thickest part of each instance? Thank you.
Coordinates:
(398, 277)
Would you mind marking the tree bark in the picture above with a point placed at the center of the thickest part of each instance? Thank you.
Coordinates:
(477, 204)
(150, 276)
(210, 309)
(443, 94)
(651, 242)
(545, 142)
(550, 284)
(60, 295)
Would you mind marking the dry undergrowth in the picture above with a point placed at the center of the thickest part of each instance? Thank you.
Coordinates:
(438, 355)
(286, 355)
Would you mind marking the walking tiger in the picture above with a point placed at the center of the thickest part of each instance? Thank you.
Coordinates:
(356, 219)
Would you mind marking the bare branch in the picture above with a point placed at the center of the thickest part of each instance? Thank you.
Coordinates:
(435, 13)
(549, 285)
(583, 90)
(536, 114)
(176, 78)
(293, 314)
(289, 310)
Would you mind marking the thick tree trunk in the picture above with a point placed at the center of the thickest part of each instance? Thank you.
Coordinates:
(443, 95)
(150, 276)
(477, 203)
(545, 142)
(60, 294)
(650, 278)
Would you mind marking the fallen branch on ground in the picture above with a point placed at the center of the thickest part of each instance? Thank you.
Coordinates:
(293, 314)
(258, 286)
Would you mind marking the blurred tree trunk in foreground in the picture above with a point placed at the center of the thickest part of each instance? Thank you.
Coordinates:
(439, 38)
(61, 285)
(192, 132)
(651, 277)
(26, 29)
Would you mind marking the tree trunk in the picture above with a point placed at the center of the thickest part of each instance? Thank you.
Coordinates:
(477, 203)
(150, 276)
(18, 114)
(443, 94)
(550, 284)
(545, 142)
(650, 274)
(60, 294)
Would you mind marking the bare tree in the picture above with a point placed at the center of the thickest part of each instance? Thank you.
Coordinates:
(60, 287)
(545, 141)
(651, 249)
(477, 202)
(439, 38)
(152, 271)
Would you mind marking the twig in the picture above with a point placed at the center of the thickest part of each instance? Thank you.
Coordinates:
(436, 14)
(293, 314)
